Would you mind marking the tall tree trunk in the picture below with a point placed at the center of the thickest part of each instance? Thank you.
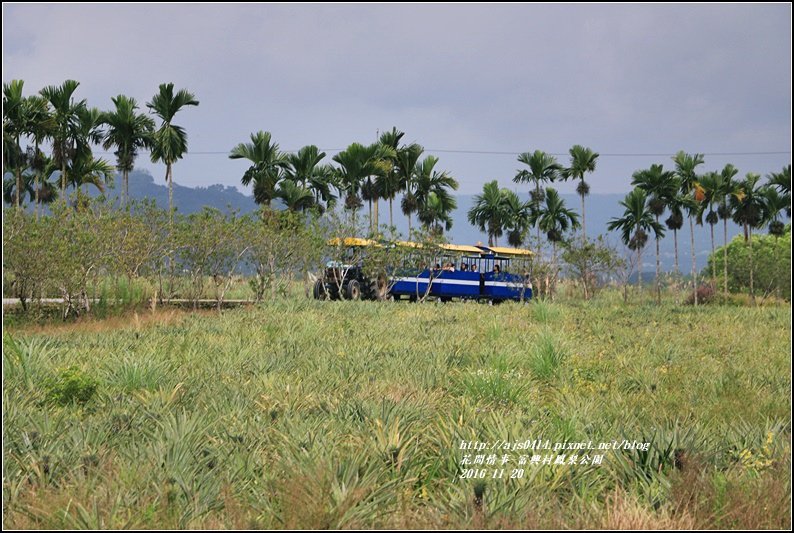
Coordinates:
(63, 178)
(170, 180)
(639, 269)
(658, 268)
(713, 260)
(376, 222)
(554, 269)
(369, 204)
(391, 213)
(18, 195)
(584, 230)
(694, 264)
(126, 187)
(752, 288)
(36, 155)
(777, 283)
(675, 246)
(36, 207)
(725, 256)
(537, 206)
(409, 227)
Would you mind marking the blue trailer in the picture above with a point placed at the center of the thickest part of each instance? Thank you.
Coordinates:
(469, 273)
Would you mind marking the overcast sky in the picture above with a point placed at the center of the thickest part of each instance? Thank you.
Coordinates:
(510, 78)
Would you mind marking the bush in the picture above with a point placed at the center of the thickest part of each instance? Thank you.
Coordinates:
(71, 387)
(771, 264)
(705, 295)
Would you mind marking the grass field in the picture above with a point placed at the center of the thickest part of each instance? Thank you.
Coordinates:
(308, 414)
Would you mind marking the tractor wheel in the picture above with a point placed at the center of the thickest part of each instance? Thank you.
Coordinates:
(319, 290)
(377, 289)
(353, 290)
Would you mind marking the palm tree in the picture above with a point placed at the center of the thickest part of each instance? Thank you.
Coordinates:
(676, 204)
(487, 213)
(86, 133)
(582, 160)
(46, 191)
(660, 186)
(554, 219)
(516, 218)
(635, 225)
(267, 164)
(15, 125)
(41, 127)
(65, 111)
(295, 196)
(748, 208)
(379, 165)
(356, 163)
(389, 184)
(782, 180)
(728, 190)
(15, 187)
(13, 155)
(686, 171)
(170, 141)
(129, 132)
(542, 168)
(711, 185)
(430, 181)
(304, 169)
(407, 159)
(775, 204)
(437, 212)
(86, 170)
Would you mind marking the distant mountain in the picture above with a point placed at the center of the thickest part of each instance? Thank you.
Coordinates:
(600, 209)
(186, 199)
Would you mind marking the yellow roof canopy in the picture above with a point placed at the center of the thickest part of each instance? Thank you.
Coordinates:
(352, 241)
(409, 244)
(462, 248)
(502, 250)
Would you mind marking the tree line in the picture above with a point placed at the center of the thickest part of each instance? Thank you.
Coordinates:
(680, 192)
(308, 181)
(125, 257)
(72, 128)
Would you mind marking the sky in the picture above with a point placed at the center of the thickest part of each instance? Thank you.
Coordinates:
(620, 79)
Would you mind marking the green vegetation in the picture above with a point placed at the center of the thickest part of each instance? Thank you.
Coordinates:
(771, 264)
(296, 413)
(303, 413)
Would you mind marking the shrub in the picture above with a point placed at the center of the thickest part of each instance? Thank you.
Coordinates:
(771, 264)
(70, 387)
(705, 295)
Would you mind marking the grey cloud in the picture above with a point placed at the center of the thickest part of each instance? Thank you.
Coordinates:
(618, 78)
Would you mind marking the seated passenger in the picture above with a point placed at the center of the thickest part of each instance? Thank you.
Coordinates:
(463, 267)
(474, 267)
(496, 269)
(451, 267)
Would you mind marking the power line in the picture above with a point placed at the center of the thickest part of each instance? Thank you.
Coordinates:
(491, 152)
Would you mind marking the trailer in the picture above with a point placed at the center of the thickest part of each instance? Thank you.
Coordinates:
(463, 272)
(470, 273)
